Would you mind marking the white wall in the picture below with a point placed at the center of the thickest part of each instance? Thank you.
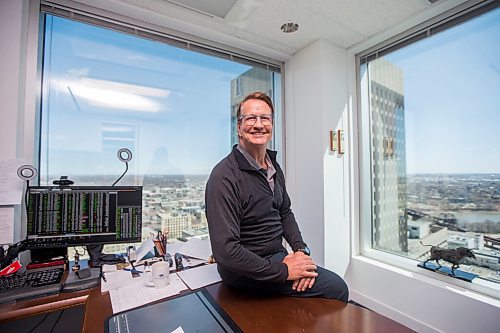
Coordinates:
(17, 80)
(10, 81)
(316, 101)
(17, 93)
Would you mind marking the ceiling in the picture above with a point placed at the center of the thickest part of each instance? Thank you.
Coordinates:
(342, 22)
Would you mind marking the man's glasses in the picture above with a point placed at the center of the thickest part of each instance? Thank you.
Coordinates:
(251, 119)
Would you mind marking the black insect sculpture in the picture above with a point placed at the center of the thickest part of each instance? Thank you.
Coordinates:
(453, 256)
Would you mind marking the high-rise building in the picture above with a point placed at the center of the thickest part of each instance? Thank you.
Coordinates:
(388, 157)
(175, 224)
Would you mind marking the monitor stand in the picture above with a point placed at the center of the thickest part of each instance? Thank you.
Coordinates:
(97, 258)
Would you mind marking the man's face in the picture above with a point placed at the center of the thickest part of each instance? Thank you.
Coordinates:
(254, 128)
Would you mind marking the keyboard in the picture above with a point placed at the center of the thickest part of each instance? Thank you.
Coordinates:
(30, 284)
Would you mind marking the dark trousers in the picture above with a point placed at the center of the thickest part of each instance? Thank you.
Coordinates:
(327, 285)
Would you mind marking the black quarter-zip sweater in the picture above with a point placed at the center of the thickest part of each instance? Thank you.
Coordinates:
(247, 221)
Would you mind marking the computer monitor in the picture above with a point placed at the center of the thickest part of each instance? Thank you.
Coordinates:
(83, 215)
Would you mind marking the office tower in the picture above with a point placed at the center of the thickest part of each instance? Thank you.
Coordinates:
(388, 157)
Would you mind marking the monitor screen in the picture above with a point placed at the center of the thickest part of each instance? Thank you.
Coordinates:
(83, 215)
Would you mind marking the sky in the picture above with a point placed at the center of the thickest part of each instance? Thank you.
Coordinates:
(104, 90)
(452, 99)
(108, 90)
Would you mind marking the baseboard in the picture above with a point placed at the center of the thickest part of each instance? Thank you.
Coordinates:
(391, 313)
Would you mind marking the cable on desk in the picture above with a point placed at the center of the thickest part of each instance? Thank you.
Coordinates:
(39, 323)
(57, 320)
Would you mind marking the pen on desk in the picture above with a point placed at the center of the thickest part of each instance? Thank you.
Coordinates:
(103, 277)
(165, 237)
(164, 244)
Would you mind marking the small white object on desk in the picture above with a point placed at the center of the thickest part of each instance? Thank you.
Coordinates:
(147, 276)
(160, 272)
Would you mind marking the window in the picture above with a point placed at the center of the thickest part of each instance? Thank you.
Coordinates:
(432, 109)
(174, 109)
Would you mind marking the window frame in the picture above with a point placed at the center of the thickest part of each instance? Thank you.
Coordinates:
(362, 143)
(168, 37)
(105, 19)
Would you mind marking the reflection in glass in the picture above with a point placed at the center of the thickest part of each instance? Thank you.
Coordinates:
(174, 109)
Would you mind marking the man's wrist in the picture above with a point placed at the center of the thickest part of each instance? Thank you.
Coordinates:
(304, 249)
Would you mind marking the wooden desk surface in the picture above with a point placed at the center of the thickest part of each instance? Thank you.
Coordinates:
(292, 314)
(251, 313)
(39, 305)
(98, 309)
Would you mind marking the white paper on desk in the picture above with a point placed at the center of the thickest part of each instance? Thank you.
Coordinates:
(200, 276)
(119, 279)
(11, 186)
(6, 225)
(173, 248)
(193, 262)
(106, 268)
(196, 248)
(135, 295)
(146, 247)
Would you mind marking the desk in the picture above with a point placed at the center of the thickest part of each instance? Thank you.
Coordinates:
(251, 313)
(293, 314)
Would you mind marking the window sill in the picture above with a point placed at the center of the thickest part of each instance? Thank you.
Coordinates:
(479, 290)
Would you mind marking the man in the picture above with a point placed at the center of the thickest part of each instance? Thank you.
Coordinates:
(248, 212)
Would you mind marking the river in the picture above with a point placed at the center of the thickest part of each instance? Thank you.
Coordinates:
(476, 216)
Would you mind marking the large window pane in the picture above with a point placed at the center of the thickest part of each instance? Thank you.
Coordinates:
(173, 108)
(433, 110)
